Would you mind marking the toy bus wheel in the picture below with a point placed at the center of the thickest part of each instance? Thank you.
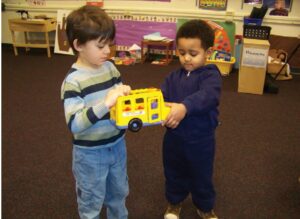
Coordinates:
(135, 125)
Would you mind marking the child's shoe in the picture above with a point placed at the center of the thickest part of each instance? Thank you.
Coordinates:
(173, 211)
(207, 215)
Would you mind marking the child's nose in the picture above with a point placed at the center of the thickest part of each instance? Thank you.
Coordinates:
(187, 58)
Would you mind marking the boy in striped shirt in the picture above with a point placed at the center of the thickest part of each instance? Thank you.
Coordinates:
(89, 90)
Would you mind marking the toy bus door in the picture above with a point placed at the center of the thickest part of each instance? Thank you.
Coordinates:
(154, 110)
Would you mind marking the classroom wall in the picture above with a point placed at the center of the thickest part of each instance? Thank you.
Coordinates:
(284, 26)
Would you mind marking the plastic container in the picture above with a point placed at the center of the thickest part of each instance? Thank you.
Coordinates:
(252, 21)
(224, 67)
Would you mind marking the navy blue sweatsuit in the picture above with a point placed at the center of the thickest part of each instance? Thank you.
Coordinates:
(188, 150)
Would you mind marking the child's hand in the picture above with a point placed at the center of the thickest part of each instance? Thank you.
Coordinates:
(177, 113)
(113, 94)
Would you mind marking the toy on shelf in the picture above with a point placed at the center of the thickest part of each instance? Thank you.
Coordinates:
(142, 107)
(124, 58)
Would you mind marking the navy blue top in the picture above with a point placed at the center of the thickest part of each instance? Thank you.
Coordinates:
(200, 92)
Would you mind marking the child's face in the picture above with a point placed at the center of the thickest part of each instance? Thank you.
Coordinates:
(279, 4)
(191, 53)
(93, 53)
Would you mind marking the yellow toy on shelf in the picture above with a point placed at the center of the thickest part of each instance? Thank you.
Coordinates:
(142, 107)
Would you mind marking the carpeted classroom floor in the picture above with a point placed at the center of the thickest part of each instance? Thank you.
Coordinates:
(257, 163)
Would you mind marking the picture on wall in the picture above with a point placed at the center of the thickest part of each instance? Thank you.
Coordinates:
(219, 5)
(143, 0)
(272, 3)
(279, 7)
(253, 1)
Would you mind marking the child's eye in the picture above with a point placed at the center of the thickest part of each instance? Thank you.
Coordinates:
(193, 54)
(100, 46)
(181, 53)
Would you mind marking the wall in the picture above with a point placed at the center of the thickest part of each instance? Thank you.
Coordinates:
(284, 26)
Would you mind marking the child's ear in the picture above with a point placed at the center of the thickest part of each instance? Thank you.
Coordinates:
(77, 46)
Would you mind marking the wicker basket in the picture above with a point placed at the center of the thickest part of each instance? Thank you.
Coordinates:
(274, 67)
(276, 64)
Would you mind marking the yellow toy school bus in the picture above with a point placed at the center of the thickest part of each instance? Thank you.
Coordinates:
(142, 107)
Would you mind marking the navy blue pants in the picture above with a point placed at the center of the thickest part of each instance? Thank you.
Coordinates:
(188, 168)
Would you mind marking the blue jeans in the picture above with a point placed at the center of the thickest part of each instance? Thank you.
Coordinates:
(101, 179)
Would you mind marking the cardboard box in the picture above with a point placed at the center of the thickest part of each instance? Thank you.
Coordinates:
(253, 65)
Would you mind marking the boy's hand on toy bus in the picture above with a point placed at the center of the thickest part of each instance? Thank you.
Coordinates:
(177, 113)
(113, 94)
(125, 89)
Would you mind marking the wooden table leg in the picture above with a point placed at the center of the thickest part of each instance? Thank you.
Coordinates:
(48, 45)
(167, 54)
(170, 55)
(26, 41)
(142, 52)
(14, 41)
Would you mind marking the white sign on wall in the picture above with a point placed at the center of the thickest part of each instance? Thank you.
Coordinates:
(254, 57)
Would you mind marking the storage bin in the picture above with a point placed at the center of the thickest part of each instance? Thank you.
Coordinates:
(224, 67)
(274, 68)
(252, 21)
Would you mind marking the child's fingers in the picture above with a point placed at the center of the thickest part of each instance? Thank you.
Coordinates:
(126, 89)
(123, 89)
(171, 124)
(168, 104)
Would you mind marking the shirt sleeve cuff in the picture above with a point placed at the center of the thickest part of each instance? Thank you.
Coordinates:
(100, 110)
(188, 106)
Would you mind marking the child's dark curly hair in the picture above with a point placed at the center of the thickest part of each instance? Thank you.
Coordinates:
(197, 29)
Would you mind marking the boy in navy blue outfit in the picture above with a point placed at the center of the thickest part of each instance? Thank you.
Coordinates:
(193, 93)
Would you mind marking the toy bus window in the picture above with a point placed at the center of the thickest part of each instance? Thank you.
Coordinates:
(140, 103)
(139, 100)
(126, 106)
(154, 104)
(154, 116)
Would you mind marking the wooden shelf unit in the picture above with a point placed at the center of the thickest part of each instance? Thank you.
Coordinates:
(31, 25)
(168, 44)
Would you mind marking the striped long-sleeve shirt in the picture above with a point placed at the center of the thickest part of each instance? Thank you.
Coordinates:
(83, 92)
